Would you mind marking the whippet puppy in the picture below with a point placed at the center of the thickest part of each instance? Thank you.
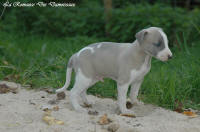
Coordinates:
(126, 63)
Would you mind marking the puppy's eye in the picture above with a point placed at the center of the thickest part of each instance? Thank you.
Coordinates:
(157, 44)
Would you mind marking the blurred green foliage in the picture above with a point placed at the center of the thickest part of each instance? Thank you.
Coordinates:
(126, 22)
(88, 19)
(57, 22)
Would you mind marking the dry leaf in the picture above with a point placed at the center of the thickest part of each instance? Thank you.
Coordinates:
(59, 122)
(178, 106)
(50, 108)
(128, 115)
(190, 113)
(50, 91)
(48, 119)
(55, 108)
(93, 112)
(47, 112)
(5, 62)
(87, 105)
(16, 124)
(104, 120)
(51, 120)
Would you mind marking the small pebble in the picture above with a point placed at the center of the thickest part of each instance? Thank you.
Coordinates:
(55, 108)
(53, 101)
(93, 112)
(61, 96)
(32, 103)
(113, 127)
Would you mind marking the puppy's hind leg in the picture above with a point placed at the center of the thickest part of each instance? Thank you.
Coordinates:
(81, 83)
(84, 94)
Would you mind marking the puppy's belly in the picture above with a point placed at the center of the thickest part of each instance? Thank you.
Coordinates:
(101, 78)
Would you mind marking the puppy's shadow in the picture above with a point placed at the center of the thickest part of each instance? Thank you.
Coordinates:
(110, 106)
(143, 110)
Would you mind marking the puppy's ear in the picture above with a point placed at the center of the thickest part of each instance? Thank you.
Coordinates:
(140, 36)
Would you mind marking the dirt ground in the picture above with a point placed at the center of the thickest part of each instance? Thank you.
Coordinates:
(22, 111)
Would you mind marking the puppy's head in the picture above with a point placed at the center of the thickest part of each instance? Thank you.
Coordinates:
(155, 43)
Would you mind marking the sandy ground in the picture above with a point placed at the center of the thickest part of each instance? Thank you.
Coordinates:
(23, 112)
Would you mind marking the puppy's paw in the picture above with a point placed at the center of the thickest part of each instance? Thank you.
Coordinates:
(87, 104)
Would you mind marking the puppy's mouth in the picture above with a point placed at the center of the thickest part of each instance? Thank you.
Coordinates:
(152, 55)
(164, 55)
(163, 60)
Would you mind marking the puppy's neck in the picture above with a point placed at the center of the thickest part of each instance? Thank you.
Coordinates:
(141, 54)
(136, 48)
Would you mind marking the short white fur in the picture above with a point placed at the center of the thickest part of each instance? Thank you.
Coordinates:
(99, 46)
(86, 48)
(82, 83)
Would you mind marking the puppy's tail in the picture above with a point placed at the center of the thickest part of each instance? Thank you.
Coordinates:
(68, 76)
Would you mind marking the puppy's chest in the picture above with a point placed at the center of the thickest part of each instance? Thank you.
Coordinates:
(140, 73)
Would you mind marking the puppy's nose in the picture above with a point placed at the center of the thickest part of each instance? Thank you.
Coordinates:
(169, 57)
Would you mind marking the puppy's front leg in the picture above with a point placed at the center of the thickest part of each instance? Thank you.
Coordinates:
(122, 92)
(135, 86)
